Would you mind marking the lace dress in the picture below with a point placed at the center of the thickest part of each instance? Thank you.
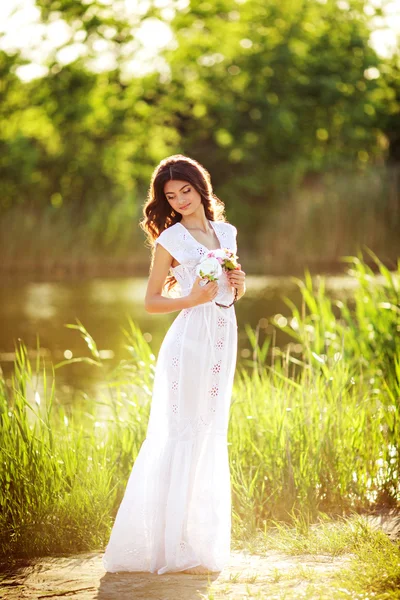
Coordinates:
(176, 511)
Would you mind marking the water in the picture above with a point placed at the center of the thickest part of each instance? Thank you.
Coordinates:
(32, 310)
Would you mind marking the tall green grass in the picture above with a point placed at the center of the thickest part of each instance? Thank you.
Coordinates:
(326, 438)
(313, 432)
(62, 471)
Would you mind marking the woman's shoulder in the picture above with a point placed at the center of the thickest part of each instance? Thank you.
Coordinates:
(168, 231)
(227, 226)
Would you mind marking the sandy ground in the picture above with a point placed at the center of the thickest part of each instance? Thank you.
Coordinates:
(273, 575)
(247, 576)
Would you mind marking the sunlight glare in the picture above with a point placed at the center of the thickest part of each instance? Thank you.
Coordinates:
(22, 31)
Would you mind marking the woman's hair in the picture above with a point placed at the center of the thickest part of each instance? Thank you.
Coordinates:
(158, 213)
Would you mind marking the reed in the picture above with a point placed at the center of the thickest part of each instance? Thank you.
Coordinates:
(326, 438)
(309, 434)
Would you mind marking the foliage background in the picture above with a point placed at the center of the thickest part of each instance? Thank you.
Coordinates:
(287, 105)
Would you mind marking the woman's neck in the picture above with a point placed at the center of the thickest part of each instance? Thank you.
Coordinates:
(197, 222)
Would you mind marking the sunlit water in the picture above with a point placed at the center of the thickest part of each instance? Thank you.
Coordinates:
(41, 309)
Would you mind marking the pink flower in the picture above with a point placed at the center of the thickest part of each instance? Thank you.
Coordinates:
(225, 257)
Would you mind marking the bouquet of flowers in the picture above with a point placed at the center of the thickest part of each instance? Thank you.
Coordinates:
(215, 262)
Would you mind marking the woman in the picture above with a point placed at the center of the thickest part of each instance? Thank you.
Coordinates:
(176, 511)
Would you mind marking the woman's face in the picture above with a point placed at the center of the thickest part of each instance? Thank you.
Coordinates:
(182, 196)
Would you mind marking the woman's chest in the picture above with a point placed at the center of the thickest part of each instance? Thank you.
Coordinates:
(190, 249)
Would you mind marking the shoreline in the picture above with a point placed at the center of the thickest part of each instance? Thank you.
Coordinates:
(55, 270)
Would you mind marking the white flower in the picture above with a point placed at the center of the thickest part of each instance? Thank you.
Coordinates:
(218, 253)
(209, 268)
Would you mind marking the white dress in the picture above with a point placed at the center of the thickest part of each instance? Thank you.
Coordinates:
(176, 511)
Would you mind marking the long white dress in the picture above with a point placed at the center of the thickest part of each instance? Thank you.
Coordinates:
(176, 511)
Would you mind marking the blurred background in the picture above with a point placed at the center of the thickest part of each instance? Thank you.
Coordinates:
(292, 106)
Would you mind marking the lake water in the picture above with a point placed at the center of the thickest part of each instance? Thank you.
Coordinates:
(39, 308)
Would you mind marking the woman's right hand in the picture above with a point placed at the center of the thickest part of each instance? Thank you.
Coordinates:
(200, 294)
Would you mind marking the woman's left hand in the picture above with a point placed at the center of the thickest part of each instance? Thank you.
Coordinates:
(236, 278)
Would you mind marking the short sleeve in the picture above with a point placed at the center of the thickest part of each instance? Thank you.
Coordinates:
(233, 237)
(170, 241)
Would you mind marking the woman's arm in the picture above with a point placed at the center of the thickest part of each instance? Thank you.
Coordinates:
(154, 302)
(241, 291)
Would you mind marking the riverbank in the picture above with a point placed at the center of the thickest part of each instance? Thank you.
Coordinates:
(313, 429)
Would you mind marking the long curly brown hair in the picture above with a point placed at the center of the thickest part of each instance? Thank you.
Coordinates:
(158, 213)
